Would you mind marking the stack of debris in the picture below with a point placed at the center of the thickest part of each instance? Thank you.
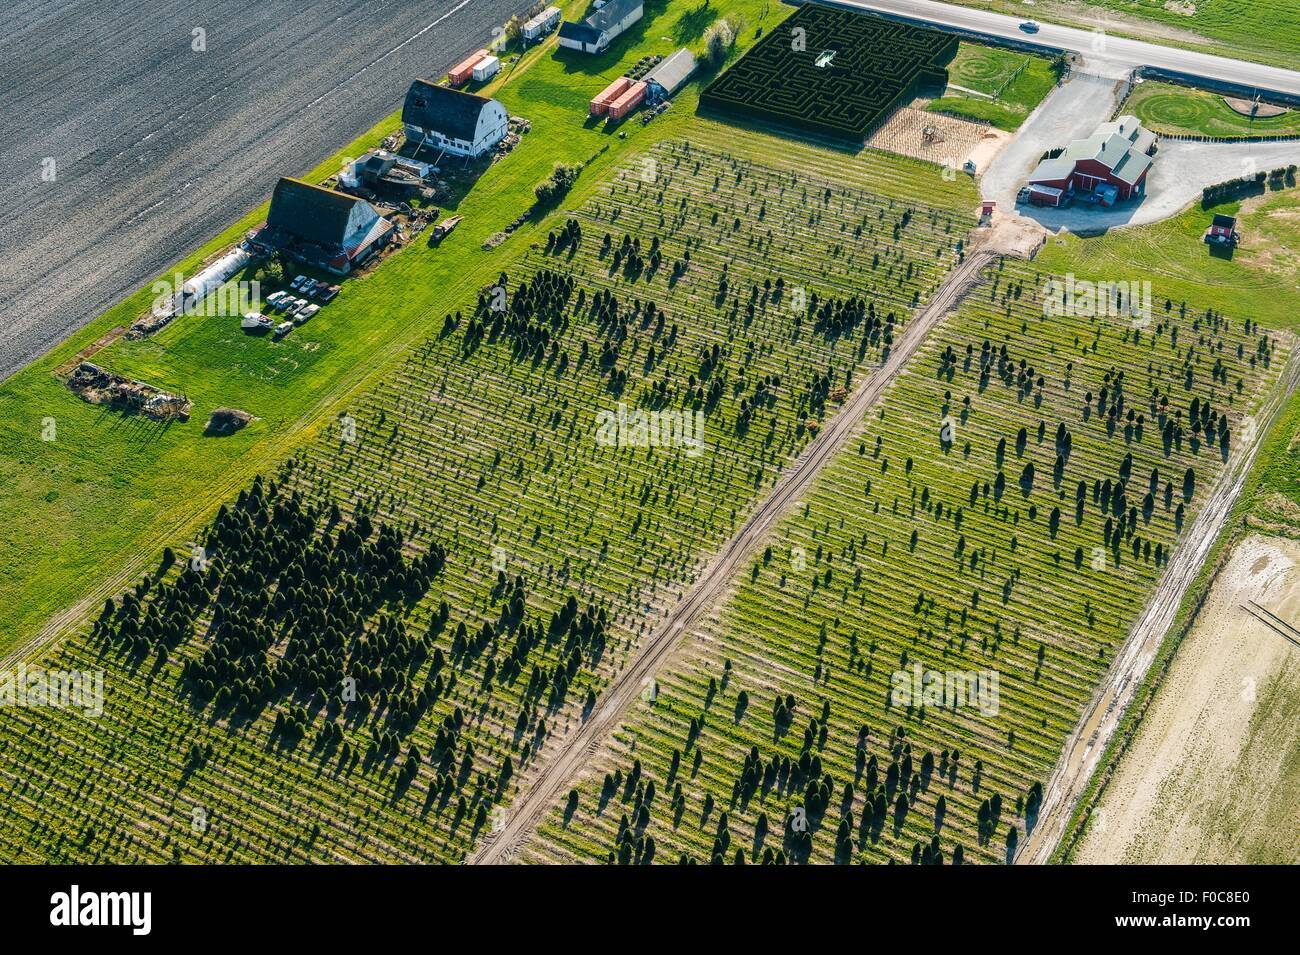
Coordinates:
(99, 387)
(496, 238)
(226, 421)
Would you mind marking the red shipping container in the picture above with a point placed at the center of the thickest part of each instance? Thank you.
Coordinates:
(459, 74)
(600, 105)
(628, 101)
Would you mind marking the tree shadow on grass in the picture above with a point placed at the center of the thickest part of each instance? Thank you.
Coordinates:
(598, 64)
(694, 22)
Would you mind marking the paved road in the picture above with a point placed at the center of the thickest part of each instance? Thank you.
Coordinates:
(542, 792)
(157, 147)
(1103, 53)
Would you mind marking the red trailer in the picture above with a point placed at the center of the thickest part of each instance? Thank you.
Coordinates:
(627, 101)
(600, 105)
(459, 74)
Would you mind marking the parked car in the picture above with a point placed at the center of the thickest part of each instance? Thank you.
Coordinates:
(255, 323)
(294, 306)
(298, 283)
(331, 292)
(275, 299)
(305, 314)
(1029, 26)
(284, 328)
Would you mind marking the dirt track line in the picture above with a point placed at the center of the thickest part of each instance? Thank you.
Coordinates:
(499, 848)
(1086, 745)
(1272, 621)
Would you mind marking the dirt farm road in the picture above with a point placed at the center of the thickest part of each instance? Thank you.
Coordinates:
(126, 146)
(1101, 717)
(541, 793)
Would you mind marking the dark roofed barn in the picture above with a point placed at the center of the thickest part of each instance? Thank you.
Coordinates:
(331, 229)
(463, 124)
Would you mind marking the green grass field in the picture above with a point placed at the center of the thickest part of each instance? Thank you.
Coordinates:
(898, 558)
(1166, 108)
(94, 501)
(1012, 84)
(476, 444)
(1258, 280)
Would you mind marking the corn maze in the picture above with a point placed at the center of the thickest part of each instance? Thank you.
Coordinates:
(1005, 512)
(832, 73)
(382, 639)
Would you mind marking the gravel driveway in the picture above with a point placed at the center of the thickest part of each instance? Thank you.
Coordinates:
(1180, 172)
(157, 147)
(1071, 111)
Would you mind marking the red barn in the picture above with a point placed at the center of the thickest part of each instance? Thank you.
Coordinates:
(1110, 165)
(1222, 231)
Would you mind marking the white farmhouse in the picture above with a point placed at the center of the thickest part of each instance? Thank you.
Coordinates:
(441, 118)
(594, 34)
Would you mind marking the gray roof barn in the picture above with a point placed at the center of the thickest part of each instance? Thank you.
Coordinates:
(673, 72)
(612, 13)
(450, 112)
(312, 213)
(332, 230)
(593, 34)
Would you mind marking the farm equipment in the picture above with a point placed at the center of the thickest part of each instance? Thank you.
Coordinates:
(443, 228)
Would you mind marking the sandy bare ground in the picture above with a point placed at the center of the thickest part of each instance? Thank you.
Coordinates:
(954, 139)
(1101, 717)
(541, 791)
(1213, 775)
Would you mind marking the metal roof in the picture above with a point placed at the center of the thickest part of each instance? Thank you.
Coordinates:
(674, 71)
(1053, 170)
(451, 112)
(547, 14)
(612, 13)
(1131, 167)
(1106, 148)
(311, 212)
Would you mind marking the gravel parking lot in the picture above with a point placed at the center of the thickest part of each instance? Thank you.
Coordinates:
(156, 147)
